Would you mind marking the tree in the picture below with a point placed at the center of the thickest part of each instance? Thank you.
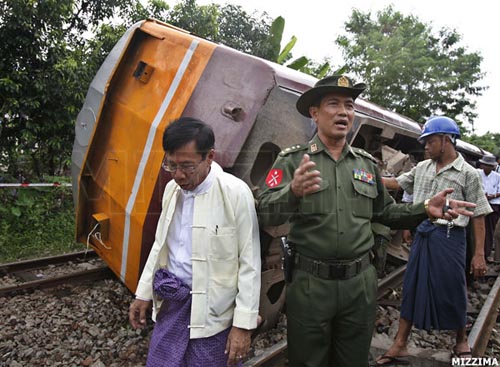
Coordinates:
(228, 24)
(409, 69)
(256, 34)
(52, 49)
(44, 74)
(302, 63)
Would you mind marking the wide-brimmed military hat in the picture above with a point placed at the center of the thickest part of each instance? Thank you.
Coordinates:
(336, 83)
(489, 160)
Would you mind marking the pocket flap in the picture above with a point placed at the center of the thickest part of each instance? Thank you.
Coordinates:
(365, 189)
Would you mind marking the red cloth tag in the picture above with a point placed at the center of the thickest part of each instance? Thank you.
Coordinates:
(274, 177)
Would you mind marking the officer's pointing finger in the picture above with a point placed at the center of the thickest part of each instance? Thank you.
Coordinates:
(305, 159)
(306, 164)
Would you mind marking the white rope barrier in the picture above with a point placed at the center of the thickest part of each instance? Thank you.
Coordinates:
(54, 184)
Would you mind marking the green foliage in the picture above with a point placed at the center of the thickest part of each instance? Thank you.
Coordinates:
(411, 70)
(285, 53)
(323, 70)
(228, 24)
(200, 20)
(52, 50)
(274, 39)
(232, 26)
(489, 142)
(157, 9)
(36, 222)
(299, 63)
(302, 63)
(46, 68)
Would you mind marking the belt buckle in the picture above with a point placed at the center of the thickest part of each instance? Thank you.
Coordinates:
(359, 264)
(315, 267)
(337, 271)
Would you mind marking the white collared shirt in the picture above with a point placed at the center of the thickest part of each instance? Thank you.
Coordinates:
(226, 265)
(180, 232)
(491, 185)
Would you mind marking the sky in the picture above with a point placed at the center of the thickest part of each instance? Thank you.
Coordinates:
(317, 23)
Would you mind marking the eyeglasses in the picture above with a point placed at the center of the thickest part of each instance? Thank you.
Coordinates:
(184, 168)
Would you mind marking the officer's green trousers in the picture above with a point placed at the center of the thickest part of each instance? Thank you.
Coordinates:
(330, 322)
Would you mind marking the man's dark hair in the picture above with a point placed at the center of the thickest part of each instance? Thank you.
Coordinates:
(185, 130)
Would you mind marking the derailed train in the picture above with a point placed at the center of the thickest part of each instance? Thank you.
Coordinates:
(156, 73)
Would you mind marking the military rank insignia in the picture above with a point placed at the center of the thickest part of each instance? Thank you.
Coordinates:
(343, 82)
(362, 175)
(274, 177)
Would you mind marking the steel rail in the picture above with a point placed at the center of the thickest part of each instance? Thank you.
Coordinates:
(478, 337)
(98, 273)
(391, 281)
(268, 355)
(45, 261)
(481, 330)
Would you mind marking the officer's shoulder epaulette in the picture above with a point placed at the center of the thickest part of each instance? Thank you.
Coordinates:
(293, 148)
(364, 153)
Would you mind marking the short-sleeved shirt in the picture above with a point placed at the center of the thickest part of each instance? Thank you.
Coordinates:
(491, 185)
(334, 222)
(424, 182)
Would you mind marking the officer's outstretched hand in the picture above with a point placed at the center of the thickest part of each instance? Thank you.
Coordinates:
(305, 180)
(438, 208)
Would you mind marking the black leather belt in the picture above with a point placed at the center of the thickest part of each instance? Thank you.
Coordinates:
(332, 269)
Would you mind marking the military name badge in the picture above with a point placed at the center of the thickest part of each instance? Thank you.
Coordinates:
(363, 176)
(274, 177)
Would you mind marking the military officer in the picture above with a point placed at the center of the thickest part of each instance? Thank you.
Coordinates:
(330, 192)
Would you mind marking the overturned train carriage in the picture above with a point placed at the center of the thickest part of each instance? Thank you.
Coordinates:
(157, 73)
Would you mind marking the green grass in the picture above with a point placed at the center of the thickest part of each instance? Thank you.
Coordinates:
(36, 222)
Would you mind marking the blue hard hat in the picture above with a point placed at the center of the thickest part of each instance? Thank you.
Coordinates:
(439, 125)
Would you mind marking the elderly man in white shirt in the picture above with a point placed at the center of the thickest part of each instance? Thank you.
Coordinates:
(203, 273)
(491, 188)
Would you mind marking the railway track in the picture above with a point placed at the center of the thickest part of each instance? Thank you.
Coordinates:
(479, 335)
(486, 320)
(51, 271)
(274, 355)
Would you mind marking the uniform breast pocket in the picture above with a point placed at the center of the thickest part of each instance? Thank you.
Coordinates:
(318, 202)
(362, 200)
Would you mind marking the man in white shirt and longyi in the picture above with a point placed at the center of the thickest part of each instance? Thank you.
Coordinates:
(491, 188)
(203, 273)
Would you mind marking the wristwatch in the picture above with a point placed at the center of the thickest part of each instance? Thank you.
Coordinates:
(426, 207)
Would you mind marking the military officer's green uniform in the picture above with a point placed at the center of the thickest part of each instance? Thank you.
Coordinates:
(331, 300)
(381, 238)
